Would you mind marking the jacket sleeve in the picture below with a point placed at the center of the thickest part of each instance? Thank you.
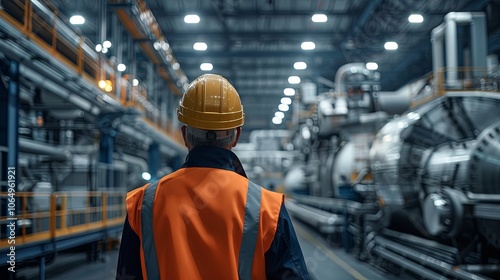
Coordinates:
(284, 259)
(129, 258)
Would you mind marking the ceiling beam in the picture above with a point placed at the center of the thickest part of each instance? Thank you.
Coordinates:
(161, 14)
(258, 53)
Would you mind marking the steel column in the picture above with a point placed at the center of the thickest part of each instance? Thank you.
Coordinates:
(154, 160)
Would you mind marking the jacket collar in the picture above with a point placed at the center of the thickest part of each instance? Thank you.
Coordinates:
(214, 157)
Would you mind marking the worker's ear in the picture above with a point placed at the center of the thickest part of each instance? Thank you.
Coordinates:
(183, 129)
(238, 133)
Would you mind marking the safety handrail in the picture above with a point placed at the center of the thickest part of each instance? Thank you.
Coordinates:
(44, 216)
(469, 79)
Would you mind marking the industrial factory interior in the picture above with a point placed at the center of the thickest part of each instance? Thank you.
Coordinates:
(378, 120)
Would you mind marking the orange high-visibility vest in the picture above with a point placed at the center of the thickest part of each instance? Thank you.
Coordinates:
(203, 223)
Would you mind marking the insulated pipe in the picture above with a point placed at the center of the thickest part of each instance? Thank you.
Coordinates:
(424, 259)
(437, 50)
(339, 76)
(133, 160)
(451, 48)
(406, 264)
(40, 148)
(478, 27)
(53, 87)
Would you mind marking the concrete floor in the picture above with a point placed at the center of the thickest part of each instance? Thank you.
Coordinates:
(324, 261)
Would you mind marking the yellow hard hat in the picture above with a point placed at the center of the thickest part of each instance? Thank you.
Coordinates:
(211, 103)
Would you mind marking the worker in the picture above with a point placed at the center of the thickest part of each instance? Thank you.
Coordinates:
(207, 220)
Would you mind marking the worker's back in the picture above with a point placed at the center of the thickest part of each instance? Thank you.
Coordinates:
(198, 223)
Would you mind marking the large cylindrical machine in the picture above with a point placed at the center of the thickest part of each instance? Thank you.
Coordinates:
(441, 157)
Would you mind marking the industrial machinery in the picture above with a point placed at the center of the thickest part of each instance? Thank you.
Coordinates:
(410, 179)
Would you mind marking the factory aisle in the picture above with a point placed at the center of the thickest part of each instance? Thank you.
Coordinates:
(323, 261)
(327, 262)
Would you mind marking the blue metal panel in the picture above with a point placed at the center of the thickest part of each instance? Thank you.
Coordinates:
(106, 148)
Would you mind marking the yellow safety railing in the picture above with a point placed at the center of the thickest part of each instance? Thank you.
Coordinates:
(46, 216)
(464, 79)
(41, 23)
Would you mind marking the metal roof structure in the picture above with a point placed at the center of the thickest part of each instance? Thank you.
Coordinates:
(255, 43)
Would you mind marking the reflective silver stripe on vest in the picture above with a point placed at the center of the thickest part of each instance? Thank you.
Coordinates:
(148, 242)
(250, 231)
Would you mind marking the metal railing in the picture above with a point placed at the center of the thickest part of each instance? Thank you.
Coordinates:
(43, 24)
(468, 79)
(46, 216)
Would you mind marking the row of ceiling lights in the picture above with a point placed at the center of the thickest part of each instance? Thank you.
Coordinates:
(284, 106)
(300, 65)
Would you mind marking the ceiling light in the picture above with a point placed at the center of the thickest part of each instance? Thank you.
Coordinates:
(157, 45)
(308, 45)
(191, 19)
(135, 82)
(300, 65)
(98, 48)
(319, 18)
(391, 46)
(104, 50)
(286, 100)
(102, 84)
(206, 66)
(165, 46)
(371, 66)
(200, 46)
(294, 80)
(106, 44)
(176, 66)
(77, 19)
(279, 114)
(283, 107)
(416, 18)
(121, 67)
(146, 176)
(289, 91)
(277, 120)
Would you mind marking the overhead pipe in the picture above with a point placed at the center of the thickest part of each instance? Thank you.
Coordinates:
(29, 60)
(133, 160)
(32, 71)
(39, 148)
(55, 88)
(255, 134)
(349, 68)
(448, 31)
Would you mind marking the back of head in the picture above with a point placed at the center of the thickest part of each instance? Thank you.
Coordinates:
(211, 109)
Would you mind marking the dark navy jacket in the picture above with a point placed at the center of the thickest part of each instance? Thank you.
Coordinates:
(284, 259)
